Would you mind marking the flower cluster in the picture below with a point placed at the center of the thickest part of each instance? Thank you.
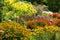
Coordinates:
(24, 8)
(13, 30)
(31, 23)
(14, 8)
(16, 31)
(9, 1)
(52, 29)
(34, 23)
(40, 22)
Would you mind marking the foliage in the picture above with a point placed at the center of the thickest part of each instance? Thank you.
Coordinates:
(30, 26)
(38, 1)
(53, 5)
(14, 8)
(57, 35)
(10, 30)
(13, 30)
(44, 34)
(1, 5)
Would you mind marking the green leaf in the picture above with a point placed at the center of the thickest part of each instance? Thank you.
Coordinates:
(32, 38)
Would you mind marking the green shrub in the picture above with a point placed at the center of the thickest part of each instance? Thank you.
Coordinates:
(14, 8)
(58, 35)
(42, 36)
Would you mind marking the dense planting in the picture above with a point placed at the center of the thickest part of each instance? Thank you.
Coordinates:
(20, 20)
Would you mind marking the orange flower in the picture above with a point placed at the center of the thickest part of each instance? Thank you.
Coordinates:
(58, 16)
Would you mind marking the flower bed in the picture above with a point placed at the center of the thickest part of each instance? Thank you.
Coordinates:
(21, 21)
(13, 30)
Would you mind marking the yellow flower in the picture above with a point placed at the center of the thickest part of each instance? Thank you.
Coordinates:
(24, 8)
(14, 38)
(52, 28)
(9, 1)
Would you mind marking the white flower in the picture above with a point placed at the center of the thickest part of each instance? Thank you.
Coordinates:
(47, 12)
(1, 31)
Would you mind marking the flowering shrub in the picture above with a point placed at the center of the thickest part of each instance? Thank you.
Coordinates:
(51, 29)
(10, 29)
(13, 30)
(14, 8)
(39, 22)
(24, 8)
(32, 27)
(9, 1)
(44, 33)
(57, 21)
(34, 23)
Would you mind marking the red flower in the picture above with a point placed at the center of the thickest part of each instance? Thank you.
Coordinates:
(55, 14)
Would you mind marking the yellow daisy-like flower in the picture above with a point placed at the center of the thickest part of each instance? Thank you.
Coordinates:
(9, 1)
(52, 28)
(24, 7)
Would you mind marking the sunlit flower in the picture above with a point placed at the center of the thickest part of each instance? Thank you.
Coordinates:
(24, 8)
(1, 31)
